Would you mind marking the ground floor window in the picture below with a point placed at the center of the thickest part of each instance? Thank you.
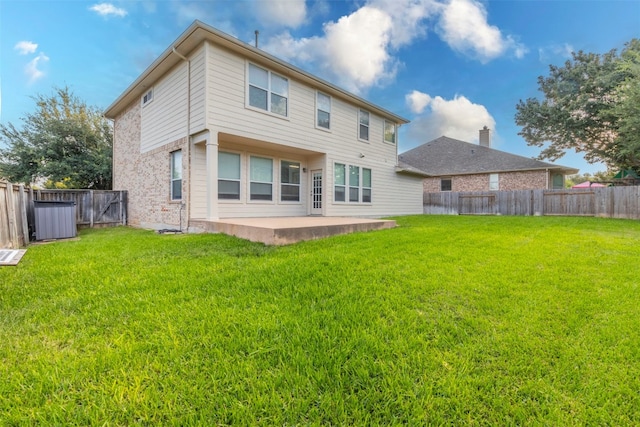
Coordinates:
(228, 176)
(289, 181)
(357, 182)
(445, 184)
(354, 183)
(494, 183)
(558, 181)
(366, 185)
(339, 190)
(176, 175)
(261, 178)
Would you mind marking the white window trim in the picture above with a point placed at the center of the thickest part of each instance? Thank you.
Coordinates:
(242, 167)
(347, 184)
(274, 183)
(318, 109)
(494, 182)
(442, 179)
(395, 132)
(268, 111)
(149, 94)
(280, 184)
(362, 187)
(357, 186)
(172, 166)
(368, 140)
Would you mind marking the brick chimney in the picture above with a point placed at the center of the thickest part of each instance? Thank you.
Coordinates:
(485, 137)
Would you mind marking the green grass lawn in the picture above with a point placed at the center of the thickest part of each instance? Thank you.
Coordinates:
(444, 320)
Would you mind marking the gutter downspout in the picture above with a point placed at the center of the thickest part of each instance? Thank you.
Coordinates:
(188, 139)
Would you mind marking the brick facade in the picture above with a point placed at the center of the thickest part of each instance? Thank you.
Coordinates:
(146, 176)
(507, 181)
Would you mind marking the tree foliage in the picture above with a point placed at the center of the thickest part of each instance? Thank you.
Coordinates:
(64, 142)
(601, 176)
(591, 105)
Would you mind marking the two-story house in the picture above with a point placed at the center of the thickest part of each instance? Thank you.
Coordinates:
(216, 128)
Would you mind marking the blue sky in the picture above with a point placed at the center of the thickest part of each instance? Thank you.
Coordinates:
(449, 66)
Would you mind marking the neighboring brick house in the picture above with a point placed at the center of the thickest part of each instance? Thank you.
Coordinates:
(454, 165)
(216, 128)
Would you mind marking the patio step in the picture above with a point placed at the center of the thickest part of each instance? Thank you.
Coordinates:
(288, 230)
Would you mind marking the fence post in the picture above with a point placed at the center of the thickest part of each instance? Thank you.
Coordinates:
(23, 213)
(93, 211)
(120, 202)
(11, 211)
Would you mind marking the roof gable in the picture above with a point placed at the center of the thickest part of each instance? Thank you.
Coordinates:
(447, 156)
(196, 34)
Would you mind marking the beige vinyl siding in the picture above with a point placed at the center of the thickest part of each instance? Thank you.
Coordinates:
(244, 207)
(227, 113)
(391, 193)
(199, 181)
(165, 118)
(198, 92)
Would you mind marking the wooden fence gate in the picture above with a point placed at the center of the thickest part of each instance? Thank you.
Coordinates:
(94, 208)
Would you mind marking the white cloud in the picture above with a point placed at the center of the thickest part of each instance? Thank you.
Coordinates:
(108, 9)
(32, 69)
(26, 47)
(287, 13)
(358, 50)
(546, 54)
(463, 26)
(354, 51)
(408, 17)
(456, 118)
(417, 101)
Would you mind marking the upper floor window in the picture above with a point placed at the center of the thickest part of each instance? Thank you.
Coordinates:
(323, 106)
(268, 91)
(147, 97)
(176, 175)
(389, 132)
(228, 176)
(363, 130)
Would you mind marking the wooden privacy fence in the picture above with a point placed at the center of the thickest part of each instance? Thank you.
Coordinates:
(94, 208)
(14, 228)
(611, 202)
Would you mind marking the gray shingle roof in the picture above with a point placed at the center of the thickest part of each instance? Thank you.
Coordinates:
(447, 156)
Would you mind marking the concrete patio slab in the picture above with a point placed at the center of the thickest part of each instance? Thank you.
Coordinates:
(288, 230)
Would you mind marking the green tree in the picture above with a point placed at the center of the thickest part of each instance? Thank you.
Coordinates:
(64, 142)
(628, 108)
(590, 105)
(600, 176)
